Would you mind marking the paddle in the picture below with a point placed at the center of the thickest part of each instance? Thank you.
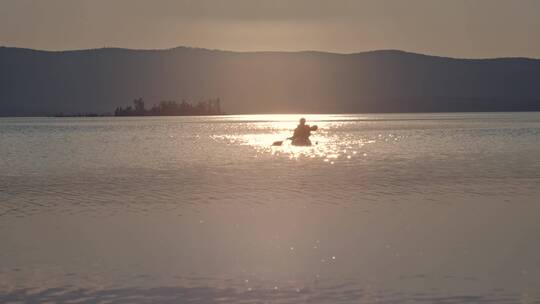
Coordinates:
(280, 142)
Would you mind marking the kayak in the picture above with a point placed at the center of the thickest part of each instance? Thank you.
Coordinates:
(298, 141)
(305, 142)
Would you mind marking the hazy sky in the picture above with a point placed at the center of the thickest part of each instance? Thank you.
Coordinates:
(459, 28)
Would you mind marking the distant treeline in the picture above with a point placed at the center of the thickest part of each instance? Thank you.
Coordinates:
(171, 108)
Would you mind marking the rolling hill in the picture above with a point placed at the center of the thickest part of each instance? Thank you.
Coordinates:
(34, 82)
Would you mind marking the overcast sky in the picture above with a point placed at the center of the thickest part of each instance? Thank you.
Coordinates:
(458, 28)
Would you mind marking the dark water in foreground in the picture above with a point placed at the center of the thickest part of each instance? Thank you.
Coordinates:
(419, 208)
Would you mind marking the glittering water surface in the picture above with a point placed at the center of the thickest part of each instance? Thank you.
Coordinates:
(430, 208)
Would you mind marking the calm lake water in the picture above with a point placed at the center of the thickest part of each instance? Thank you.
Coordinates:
(427, 208)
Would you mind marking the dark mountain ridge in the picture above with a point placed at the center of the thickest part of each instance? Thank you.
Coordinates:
(34, 82)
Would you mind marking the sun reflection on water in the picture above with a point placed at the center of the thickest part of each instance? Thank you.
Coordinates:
(329, 144)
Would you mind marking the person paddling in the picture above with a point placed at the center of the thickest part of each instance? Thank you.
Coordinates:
(302, 133)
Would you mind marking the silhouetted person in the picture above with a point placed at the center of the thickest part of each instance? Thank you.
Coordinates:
(302, 133)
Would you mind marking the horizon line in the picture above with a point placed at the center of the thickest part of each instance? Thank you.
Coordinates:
(265, 52)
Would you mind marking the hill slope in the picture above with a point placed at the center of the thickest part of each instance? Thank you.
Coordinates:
(42, 83)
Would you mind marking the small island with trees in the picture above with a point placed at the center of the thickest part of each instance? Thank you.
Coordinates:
(171, 108)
